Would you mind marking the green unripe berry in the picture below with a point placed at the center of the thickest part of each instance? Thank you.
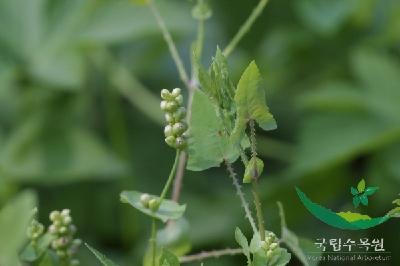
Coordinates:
(169, 118)
(77, 242)
(63, 230)
(179, 128)
(171, 106)
(179, 99)
(165, 94)
(67, 220)
(144, 199)
(176, 92)
(168, 130)
(180, 143)
(72, 229)
(273, 246)
(54, 215)
(269, 254)
(53, 229)
(163, 105)
(171, 141)
(62, 254)
(154, 204)
(185, 135)
(180, 114)
(66, 212)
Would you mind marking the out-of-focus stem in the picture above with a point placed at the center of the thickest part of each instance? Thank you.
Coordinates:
(170, 42)
(210, 254)
(170, 177)
(260, 215)
(246, 26)
(153, 241)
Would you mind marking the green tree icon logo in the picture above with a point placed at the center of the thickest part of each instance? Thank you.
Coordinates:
(361, 194)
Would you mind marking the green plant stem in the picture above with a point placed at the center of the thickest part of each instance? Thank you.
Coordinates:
(210, 254)
(260, 215)
(153, 241)
(246, 26)
(257, 201)
(242, 198)
(170, 177)
(171, 45)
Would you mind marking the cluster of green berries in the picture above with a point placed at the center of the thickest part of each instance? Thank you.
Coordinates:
(270, 244)
(149, 202)
(63, 230)
(35, 231)
(176, 129)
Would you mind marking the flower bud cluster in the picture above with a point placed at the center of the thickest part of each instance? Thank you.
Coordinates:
(176, 129)
(35, 231)
(64, 243)
(149, 202)
(270, 244)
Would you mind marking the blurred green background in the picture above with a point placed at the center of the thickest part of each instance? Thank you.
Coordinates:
(80, 118)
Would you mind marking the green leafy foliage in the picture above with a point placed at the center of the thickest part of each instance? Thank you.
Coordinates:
(360, 195)
(168, 209)
(250, 103)
(59, 155)
(262, 253)
(14, 220)
(349, 133)
(209, 144)
(325, 17)
(102, 258)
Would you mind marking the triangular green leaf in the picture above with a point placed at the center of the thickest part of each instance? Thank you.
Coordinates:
(209, 143)
(102, 258)
(250, 103)
(361, 186)
(168, 210)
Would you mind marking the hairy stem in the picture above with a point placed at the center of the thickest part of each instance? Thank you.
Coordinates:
(253, 141)
(246, 26)
(257, 201)
(171, 45)
(170, 177)
(153, 241)
(239, 192)
(260, 215)
(210, 254)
